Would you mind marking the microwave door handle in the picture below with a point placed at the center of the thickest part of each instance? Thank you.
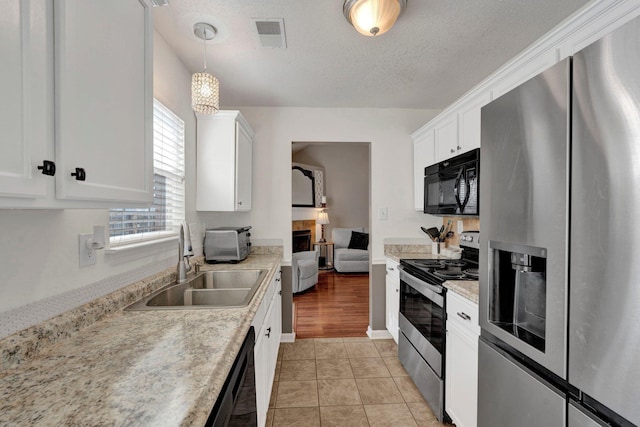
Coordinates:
(468, 193)
(456, 188)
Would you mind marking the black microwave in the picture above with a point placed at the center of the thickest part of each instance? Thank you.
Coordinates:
(452, 187)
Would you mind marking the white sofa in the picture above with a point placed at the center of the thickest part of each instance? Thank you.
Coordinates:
(346, 260)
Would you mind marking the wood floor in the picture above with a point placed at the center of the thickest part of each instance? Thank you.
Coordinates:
(338, 306)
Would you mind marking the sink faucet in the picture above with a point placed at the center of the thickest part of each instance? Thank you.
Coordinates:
(184, 252)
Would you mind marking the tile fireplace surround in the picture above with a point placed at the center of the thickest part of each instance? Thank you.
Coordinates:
(307, 224)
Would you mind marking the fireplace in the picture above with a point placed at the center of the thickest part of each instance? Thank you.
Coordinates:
(301, 240)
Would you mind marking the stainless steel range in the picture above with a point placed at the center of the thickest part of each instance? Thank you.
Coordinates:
(422, 317)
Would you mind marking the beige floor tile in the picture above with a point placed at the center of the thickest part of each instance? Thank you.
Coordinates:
(378, 390)
(338, 392)
(343, 416)
(321, 340)
(395, 367)
(276, 375)
(359, 349)
(301, 349)
(408, 390)
(298, 370)
(355, 339)
(330, 350)
(334, 369)
(386, 347)
(389, 415)
(296, 394)
(269, 421)
(274, 394)
(424, 416)
(369, 367)
(296, 417)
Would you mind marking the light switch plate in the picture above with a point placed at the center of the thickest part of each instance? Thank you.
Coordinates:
(87, 256)
(382, 214)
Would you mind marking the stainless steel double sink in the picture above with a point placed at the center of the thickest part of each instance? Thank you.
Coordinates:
(208, 289)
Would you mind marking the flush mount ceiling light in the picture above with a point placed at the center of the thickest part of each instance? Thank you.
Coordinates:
(373, 17)
(204, 87)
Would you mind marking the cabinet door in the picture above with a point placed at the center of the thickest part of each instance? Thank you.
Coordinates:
(26, 100)
(461, 376)
(262, 378)
(469, 123)
(423, 156)
(244, 158)
(103, 100)
(392, 299)
(446, 137)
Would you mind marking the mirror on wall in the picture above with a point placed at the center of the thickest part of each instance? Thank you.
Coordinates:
(303, 187)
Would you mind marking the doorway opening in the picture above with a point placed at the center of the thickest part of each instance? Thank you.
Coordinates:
(335, 205)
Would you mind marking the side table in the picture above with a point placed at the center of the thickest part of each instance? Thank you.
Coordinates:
(325, 261)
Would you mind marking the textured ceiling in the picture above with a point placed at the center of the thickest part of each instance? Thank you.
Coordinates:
(438, 49)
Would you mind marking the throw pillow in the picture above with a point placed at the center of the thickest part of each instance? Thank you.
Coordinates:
(359, 240)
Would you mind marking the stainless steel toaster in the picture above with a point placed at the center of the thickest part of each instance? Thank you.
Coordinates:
(226, 244)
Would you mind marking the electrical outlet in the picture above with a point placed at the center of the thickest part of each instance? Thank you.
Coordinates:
(87, 255)
(460, 227)
(382, 214)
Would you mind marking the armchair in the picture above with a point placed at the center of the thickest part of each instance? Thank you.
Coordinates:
(304, 268)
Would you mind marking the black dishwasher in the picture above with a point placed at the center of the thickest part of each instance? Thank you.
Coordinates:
(236, 404)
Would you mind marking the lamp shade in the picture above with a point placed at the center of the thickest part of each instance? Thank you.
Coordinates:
(323, 218)
(205, 93)
(373, 17)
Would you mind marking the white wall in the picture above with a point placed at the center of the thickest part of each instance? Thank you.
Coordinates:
(388, 131)
(39, 248)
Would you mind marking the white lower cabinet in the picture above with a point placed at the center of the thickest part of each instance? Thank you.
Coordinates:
(461, 388)
(392, 298)
(268, 329)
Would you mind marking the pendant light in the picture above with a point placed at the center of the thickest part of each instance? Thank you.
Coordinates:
(204, 87)
(373, 17)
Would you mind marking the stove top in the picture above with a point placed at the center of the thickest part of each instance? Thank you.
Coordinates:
(438, 271)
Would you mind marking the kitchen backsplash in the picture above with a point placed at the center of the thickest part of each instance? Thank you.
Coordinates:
(469, 224)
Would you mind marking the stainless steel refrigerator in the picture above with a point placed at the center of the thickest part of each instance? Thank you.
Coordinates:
(560, 264)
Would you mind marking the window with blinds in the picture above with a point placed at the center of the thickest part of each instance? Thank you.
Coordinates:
(163, 218)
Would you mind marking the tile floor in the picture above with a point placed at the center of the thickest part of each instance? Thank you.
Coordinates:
(347, 382)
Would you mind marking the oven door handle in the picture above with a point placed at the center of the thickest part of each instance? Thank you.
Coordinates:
(434, 293)
(456, 189)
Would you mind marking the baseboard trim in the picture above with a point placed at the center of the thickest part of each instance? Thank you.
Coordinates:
(379, 334)
(289, 337)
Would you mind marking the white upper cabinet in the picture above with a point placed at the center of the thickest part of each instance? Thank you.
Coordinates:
(104, 96)
(91, 63)
(26, 103)
(469, 122)
(224, 162)
(446, 131)
(423, 156)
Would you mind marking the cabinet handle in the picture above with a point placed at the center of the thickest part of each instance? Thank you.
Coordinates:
(459, 148)
(453, 151)
(240, 203)
(268, 334)
(464, 315)
(397, 290)
(280, 292)
(48, 168)
(80, 174)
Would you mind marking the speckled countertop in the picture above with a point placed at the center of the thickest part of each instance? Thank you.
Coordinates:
(160, 368)
(466, 288)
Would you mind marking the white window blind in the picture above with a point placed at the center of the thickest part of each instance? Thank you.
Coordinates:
(163, 218)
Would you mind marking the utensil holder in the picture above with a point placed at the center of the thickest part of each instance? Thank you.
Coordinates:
(436, 247)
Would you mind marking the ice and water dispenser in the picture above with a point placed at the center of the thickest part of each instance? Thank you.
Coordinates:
(518, 288)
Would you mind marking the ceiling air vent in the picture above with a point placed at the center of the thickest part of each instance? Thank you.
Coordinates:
(271, 33)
